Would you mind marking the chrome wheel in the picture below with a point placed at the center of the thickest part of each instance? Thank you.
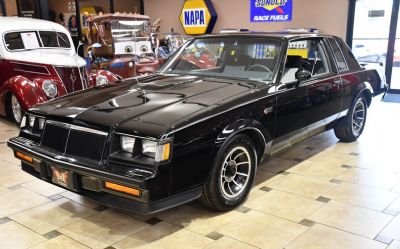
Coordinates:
(358, 118)
(16, 109)
(235, 172)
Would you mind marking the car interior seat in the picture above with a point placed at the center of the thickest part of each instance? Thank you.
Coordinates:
(293, 65)
(236, 62)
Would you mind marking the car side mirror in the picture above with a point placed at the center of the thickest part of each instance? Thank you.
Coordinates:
(303, 75)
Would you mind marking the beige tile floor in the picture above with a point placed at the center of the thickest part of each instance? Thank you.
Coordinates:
(318, 194)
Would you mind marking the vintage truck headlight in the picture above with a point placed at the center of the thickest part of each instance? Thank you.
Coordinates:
(127, 144)
(160, 152)
(50, 88)
(101, 80)
(144, 49)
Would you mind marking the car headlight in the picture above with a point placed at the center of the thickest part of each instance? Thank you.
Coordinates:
(143, 49)
(101, 80)
(127, 144)
(135, 146)
(50, 88)
(33, 122)
(160, 152)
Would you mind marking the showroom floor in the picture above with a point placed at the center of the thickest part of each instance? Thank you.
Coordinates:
(318, 194)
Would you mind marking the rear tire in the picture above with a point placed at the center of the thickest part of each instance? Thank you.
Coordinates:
(14, 109)
(351, 127)
(232, 175)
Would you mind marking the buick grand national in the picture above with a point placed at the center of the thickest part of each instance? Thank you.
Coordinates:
(192, 131)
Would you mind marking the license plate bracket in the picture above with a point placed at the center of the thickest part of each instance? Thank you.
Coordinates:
(63, 177)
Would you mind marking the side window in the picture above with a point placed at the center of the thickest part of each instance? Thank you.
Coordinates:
(305, 54)
(13, 41)
(348, 55)
(341, 62)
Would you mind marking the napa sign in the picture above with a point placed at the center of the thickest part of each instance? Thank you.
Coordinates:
(198, 17)
(271, 10)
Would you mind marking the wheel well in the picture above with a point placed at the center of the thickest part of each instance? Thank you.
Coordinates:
(258, 140)
(368, 96)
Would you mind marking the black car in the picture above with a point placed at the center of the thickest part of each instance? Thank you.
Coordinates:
(201, 124)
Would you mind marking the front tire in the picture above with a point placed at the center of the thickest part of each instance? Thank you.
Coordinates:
(14, 109)
(352, 126)
(232, 175)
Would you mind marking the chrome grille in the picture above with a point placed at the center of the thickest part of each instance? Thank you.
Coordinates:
(71, 78)
(74, 141)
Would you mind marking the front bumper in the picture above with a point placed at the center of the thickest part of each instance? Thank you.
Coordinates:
(90, 182)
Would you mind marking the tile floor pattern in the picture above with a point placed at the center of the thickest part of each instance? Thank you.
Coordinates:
(318, 194)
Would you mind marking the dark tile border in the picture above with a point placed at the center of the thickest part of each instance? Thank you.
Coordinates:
(323, 199)
(15, 187)
(214, 235)
(335, 181)
(308, 223)
(383, 239)
(4, 220)
(52, 234)
(243, 209)
(55, 197)
(153, 221)
(265, 189)
(101, 208)
(391, 212)
(285, 173)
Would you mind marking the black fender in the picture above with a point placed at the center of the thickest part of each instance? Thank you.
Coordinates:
(261, 137)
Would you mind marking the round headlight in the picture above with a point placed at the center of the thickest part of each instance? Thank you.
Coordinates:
(101, 80)
(50, 88)
(143, 48)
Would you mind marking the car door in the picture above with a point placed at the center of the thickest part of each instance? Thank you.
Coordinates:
(306, 107)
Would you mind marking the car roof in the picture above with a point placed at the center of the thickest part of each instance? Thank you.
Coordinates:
(289, 35)
(22, 23)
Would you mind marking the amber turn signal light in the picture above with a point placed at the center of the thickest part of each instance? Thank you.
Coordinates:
(166, 151)
(23, 156)
(122, 189)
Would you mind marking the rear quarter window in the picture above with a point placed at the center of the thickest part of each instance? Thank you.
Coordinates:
(340, 61)
(351, 60)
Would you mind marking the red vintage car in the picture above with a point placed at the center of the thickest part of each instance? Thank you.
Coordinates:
(38, 63)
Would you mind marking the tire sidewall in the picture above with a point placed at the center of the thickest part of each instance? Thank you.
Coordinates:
(9, 109)
(353, 108)
(221, 199)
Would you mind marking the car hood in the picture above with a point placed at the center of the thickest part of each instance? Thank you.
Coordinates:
(161, 100)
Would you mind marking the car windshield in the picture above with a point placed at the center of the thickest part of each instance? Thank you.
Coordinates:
(129, 29)
(35, 40)
(234, 57)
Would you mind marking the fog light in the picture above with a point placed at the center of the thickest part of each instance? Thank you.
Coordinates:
(122, 189)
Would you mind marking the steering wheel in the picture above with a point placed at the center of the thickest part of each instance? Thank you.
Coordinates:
(259, 66)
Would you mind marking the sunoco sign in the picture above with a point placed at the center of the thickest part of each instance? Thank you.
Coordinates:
(271, 10)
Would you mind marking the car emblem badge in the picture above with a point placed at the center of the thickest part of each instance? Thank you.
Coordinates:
(72, 77)
(268, 110)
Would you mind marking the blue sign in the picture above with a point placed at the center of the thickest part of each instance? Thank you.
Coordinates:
(271, 10)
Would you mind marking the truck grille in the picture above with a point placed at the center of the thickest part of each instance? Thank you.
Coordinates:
(72, 78)
(74, 141)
